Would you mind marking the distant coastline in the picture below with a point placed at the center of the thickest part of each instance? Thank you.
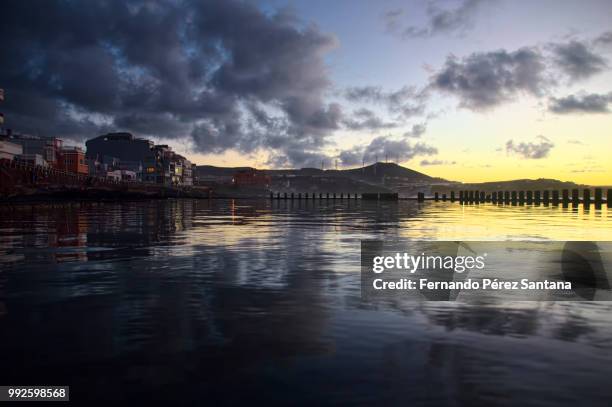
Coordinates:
(28, 184)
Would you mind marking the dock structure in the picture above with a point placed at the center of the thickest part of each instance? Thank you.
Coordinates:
(381, 196)
(563, 197)
(555, 197)
(598, 196)
(335, 196)
(575, 197)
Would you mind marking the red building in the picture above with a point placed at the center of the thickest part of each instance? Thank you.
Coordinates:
(72, 159)
(251, 178)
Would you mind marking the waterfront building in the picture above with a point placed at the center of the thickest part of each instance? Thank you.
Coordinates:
(131, 166)
(31, 159)
(157, 165)
(9, 150)
(46, 147)
(113, 175)
(252, 178)
(176, 169)
(180, 170)
(72, 159)
(123, 146)
(194, 176)
(187, 173)
(127, 175)
(213, 179)
(149, 162)
(95, 167)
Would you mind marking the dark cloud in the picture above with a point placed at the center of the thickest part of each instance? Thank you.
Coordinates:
(577, 60)
(181, 68)
(365, 119)
(482, 81)
(406, 101)
(393, 20)
(604, 38)
(426, 163)
(439, 20)
(589, 103)
(416, 131)
(375, 94)
(382, 147)
(531, 150)
(352, 157)
(151, 123)
(294, 153)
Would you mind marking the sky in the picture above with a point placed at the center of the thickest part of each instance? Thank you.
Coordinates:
(467, 90)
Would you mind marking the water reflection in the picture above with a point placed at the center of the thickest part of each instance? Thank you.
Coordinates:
(260, 302)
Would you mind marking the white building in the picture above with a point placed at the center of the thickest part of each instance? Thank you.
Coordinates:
(32, 159)
(114, 175)
(127, 175)
(10, 150)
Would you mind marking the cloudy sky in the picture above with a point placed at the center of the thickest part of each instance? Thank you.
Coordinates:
(469, 90)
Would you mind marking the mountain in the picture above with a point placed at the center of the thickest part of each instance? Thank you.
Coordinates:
(370, 173)
(211, 170)
(379, 177)
(515, 185)
(384, 170)
(387, 176)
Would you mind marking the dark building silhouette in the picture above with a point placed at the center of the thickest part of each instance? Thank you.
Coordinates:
(151, 163)
(123, 146)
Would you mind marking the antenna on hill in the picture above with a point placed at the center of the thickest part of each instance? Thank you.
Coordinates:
(386, 157)
(336, 164)
(322, 165)
(375, 164)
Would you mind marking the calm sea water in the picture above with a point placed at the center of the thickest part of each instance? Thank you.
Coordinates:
(190, 302)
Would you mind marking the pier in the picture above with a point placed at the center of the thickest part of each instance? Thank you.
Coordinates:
(366, 196)
(546, 197)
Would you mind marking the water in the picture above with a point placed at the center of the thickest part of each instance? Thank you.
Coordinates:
(221, 302)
